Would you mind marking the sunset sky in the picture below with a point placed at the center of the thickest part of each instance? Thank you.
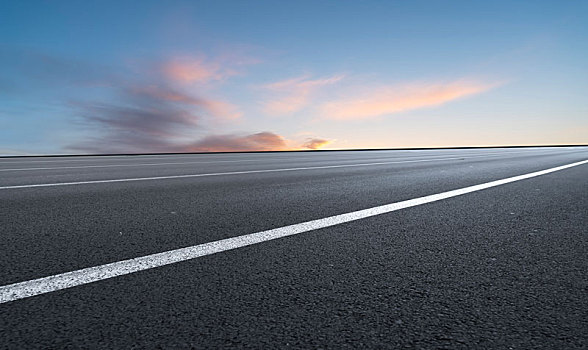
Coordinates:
(171, 76)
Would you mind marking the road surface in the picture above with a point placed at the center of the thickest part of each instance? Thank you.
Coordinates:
(375, 249)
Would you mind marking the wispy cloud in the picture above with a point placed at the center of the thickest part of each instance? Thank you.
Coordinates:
(262, 141)
(223, 109)
(149, 118)
(152, 113)
(292, 95)
(316, 143)
(214, 107)
(398, 98)
(154, 106)
(147, 107)
(141, 143)
(194, 70)
(199, 69)
(143, 120)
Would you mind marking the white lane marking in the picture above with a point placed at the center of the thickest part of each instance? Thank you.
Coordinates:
(122, 158)
(53, 283)
(219, 161)
(128, 165)
(113, 158)
(58, 158)
(228, 173)
(66, 159)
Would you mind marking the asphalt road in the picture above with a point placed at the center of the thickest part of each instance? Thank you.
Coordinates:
(503, 267)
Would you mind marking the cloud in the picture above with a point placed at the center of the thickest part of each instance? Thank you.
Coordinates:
(302, 83)
(144, 120)
(146, 107)
(216, 108)
(292, 95)
(223, 109)
(393, 99)
(161, 127)
(159, 119)
(141, 143)
(149, 113)
(262, 141)
(193, 70)
(314, 143)
(202, 70)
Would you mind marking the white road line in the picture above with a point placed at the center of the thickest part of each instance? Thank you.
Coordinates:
(128, 165)
(58, 159)
(227, 173)
(68, 159)
(209, 162)
(53, 283)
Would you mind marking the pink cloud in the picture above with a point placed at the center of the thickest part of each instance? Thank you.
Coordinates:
(200, 69)
(187, 72)
(262, 141)
(195, 70)
(292, 95)
(223, 109)
(393, 99)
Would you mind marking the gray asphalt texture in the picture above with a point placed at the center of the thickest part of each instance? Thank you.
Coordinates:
(504, 268)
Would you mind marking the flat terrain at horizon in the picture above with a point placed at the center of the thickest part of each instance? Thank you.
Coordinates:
(499, 267)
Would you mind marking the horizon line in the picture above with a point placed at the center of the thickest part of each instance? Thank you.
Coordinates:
(286, 151)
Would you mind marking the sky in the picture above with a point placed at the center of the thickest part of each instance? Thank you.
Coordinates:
(89, 77)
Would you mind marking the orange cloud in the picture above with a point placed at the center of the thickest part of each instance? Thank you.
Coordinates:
(394, 99)
(294, 94)
(313, 143)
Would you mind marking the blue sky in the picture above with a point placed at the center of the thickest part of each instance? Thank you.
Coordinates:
(170, 76)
